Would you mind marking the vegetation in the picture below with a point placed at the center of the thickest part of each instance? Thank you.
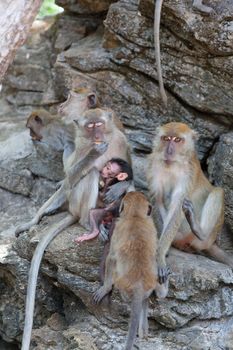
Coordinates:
(49, 8)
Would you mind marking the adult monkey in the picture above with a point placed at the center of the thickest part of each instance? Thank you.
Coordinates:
(198, 5)
(192, 210)
(51, 131)
(78, 101)
(97, 140)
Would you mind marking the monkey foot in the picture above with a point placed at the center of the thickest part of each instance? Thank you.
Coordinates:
(87, 236)
(99, 294)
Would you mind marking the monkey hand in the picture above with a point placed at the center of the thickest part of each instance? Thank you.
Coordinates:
(99, 149)
(163, 273)
(189, 213)
(116, 191)
(20, 229)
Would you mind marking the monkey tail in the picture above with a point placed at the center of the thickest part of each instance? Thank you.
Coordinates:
(157, 16)
(136, 310)
(33, 274)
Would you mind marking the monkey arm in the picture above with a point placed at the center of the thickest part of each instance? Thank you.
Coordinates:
(116, 191)
(191, 218)
(170, 228)
(68, 150)
(80, 169)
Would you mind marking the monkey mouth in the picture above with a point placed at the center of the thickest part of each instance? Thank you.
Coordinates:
(98, 142)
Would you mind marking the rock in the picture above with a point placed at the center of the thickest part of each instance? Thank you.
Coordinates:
(109, 45)
(220, 167)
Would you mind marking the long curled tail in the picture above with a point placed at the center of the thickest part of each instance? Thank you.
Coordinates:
(157, 16)
(33, 274)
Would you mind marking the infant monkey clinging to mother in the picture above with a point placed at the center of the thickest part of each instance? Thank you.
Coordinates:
(116, 176)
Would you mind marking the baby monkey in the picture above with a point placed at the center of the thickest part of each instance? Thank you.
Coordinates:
(115, 177)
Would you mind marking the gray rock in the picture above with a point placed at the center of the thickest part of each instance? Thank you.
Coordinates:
(116, 56)
(220, 167)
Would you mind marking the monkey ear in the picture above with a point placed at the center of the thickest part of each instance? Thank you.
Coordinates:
(149, 210)
(38, 120)
(122, 176)
(92, 100)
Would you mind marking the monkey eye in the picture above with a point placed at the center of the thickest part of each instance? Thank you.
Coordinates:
(90, 125)
(178, 139)
(166, 138)
(98, 124)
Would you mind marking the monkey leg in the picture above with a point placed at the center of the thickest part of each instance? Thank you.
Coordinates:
(95, 217)
(198, 5)
(211, 223)
(211, 220)
(105, 252)
(52, 204)
(218, 254)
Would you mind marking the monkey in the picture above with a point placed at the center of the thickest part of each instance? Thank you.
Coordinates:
(78, 101)
(191, 208)
(198, 5)
(97, 140)
(115, 171)
(131, 263)
(52, 131)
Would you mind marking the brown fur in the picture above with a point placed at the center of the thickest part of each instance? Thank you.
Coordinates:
(131, 263)
(175, 175)
(80, 100)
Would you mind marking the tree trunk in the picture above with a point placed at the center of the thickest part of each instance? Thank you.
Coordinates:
(16, 17)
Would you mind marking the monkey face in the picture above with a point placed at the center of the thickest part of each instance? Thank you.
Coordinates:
(76, 104)
(174, 140)
(171, 145)
(95, 130)
(110, 170)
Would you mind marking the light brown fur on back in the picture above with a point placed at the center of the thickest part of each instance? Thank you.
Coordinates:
(135, 245)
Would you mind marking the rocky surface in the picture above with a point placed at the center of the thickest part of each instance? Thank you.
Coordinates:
(109, 45)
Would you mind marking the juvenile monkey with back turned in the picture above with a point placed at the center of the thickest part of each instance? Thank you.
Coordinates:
(131, 264)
